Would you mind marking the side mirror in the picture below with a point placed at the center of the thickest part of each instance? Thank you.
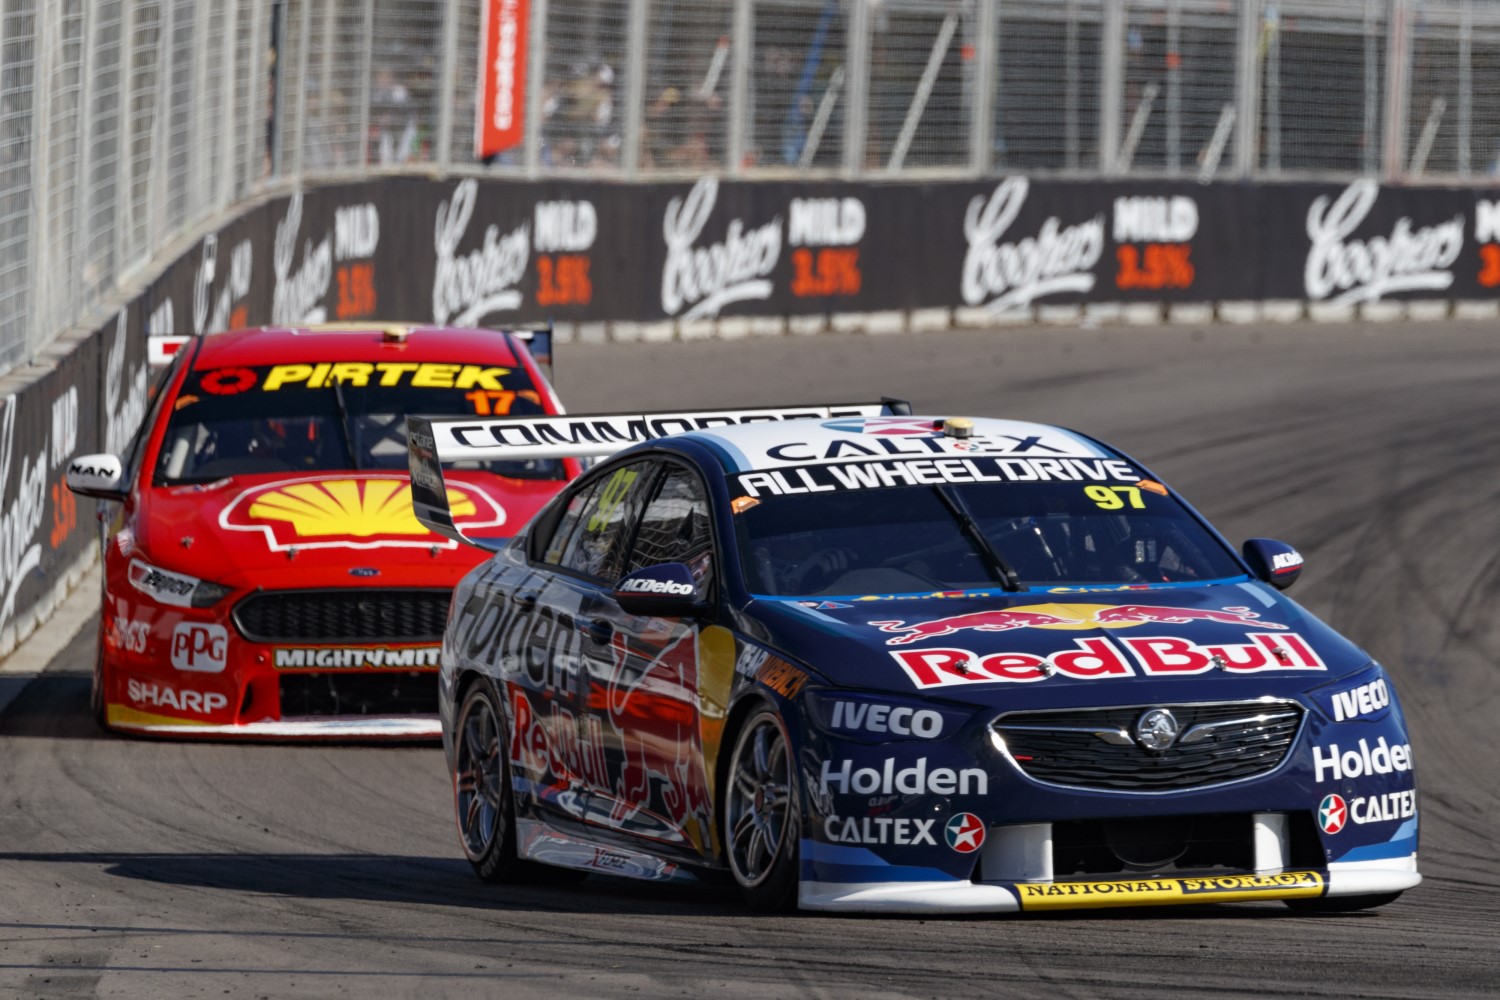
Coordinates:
(1275, 562)
(665, 590)
(99, 476)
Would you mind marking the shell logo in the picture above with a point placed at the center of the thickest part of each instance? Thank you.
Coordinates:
(354, 512)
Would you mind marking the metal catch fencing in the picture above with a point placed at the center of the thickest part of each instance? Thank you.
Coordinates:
(127, 125)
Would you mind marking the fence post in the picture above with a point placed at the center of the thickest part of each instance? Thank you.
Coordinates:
(743, 33)
(1111, 86)
(447, 67)
(982, 135)
(225, 194)
(1465, 87)
(305, 32)
(635, 87)
(856, 100)
(1247, 88)
(1397, 91)
(536, 76)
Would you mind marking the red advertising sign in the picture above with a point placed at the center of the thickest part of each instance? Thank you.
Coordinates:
(500, 110)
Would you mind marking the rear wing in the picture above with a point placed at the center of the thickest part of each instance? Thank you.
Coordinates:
(433, 442)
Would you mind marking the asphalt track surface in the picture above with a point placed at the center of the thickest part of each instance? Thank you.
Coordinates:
(150, 869)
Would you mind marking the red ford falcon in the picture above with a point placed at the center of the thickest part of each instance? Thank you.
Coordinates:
(264, 575)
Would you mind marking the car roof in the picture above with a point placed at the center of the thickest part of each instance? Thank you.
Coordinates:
(768, 445)
(269, 345)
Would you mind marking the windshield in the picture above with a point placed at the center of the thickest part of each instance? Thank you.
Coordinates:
(331, 417)
(908, 539)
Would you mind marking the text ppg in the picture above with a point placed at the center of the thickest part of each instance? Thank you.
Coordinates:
(200, 647)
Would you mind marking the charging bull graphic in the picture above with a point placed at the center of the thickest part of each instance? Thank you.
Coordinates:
(1067, 616)
(655, 715)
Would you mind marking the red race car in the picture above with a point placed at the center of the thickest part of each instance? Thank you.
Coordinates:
(264, 575)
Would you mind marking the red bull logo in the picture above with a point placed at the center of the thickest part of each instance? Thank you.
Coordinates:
(1067, 617)
(1098, 658)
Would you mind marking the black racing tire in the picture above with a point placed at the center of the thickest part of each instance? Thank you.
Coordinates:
(763, 814)
(96, 692)
(1342, 904)
(483, 800)
(483, 804)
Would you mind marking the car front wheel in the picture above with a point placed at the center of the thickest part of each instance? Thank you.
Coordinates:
(762, 819)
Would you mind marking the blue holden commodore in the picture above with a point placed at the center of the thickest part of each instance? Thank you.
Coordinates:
(869, 661)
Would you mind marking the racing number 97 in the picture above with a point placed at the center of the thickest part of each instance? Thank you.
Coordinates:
(1115, 497)
(613, 494)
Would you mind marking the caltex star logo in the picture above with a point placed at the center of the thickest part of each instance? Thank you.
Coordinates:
(885, 426)
(964, 833)
(1333, 813)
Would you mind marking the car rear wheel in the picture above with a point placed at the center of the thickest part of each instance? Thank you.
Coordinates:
(484, 805)
(762, 819)
(481, 788)
(1342, 904)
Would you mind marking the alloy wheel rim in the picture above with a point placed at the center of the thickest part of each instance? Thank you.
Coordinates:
(759, 801)
(477, 779)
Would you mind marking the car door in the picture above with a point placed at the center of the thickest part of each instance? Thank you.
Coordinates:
(568, 642)
(644, 688)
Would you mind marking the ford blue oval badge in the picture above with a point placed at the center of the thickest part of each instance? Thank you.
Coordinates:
(364, 571)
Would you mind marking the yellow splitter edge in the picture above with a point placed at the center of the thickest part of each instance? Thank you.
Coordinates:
(1169, 891)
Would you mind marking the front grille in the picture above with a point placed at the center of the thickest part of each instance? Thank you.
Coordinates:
(364, 615)
(1095, 748)
(406, 693)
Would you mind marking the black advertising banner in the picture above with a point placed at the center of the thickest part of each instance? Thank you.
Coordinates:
(41, 428)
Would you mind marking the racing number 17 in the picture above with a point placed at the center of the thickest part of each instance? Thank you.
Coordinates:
(1115, 497)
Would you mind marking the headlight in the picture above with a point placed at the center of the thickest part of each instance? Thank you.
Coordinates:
(176, 589)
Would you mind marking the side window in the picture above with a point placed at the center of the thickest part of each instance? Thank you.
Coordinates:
(135, 452)
(675, 526)
(567, 524)
(598, 543)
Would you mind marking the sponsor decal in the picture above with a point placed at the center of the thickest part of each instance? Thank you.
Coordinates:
(883, 474)
(162, 586)
(200, 647)
(697, 282)
(149, 694)
(1220, 889)
(226, 381)
(881, 830)
(1365, 700)
(1383, 808)
(357, 513)
(964, 833)
(823, 605)
(355, 658)
(129, 636)
(1153, 242)
(1011, 276)
(1068, 617)
(1285, 562)
(468, 287)
(647, 586)
(885, 426)
(843, 778)
(359, 374)
(1332, 763)
(902, 437)
(879, 719)
(1345, 270)
(781, 677)
(1333, 813)
(1100, 659)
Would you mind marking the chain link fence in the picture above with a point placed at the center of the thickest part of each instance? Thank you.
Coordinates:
(127, 126)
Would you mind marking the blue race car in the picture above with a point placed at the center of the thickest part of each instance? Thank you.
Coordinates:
(865, 660)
